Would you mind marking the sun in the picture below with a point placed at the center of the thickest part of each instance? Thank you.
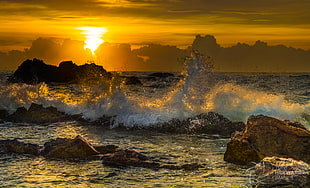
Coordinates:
(93, 37)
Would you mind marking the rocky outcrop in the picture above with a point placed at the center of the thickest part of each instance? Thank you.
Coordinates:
(35, 71)
(65, 148)
(80, 149)
(266, 136)
(275, 171)
(38, 114)
(15, 146)
(209, 123)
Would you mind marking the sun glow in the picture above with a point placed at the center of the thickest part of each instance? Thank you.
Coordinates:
(93, 37)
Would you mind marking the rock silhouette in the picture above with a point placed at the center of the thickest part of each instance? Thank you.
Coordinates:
(36, 71)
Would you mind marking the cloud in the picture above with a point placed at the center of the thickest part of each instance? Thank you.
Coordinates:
(259, 57)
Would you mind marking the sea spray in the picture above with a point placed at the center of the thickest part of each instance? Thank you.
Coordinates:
(199, 90)
(238, 103)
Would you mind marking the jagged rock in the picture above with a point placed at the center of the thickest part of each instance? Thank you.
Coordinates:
(266, 136)
(209, 123)
(275, 171)
(37, 114)
(65, 148)
(35, 71)
(15, 146)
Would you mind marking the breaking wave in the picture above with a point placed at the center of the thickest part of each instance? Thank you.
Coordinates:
(197, 91)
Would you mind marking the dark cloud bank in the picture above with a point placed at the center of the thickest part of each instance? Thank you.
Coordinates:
(259, 57)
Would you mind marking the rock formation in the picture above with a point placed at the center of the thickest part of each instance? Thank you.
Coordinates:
(35, 71)
(15, 146)
(266, 136)
(37, 114)
(65, 148)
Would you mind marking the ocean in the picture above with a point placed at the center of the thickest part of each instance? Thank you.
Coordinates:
(194, 91)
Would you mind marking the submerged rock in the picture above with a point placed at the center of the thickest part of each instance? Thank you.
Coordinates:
(275, 171)
(124, 158)
(65, 148)
(15, 146)
(266, 136)
(35, 71)
(37, 114)
(209, 123)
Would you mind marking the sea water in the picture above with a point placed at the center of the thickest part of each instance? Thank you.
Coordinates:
(196, 90)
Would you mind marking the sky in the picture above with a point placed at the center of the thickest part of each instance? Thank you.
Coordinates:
(165, 22)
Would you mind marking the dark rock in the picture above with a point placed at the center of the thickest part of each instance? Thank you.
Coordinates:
(35, 71)
(64, 148)
(3, 114)
(15, 146)
(38, 114)
(133, 80)
(124, 158)
(209, 123)
(266, 136)
(275, 171)
(162, 74)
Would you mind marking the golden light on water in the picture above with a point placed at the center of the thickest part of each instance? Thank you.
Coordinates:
(93, 37)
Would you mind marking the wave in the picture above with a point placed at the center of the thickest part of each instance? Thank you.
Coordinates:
(197, 92)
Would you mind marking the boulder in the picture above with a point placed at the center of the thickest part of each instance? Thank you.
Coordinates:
(266, 136)
(65, 148)
(35, 71)
(275, 171)
(15, 146)
(37, 114)
(209, 123)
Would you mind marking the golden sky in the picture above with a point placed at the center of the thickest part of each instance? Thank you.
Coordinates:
(174, 22)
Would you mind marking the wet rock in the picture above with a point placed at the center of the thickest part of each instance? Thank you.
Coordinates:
(3, 114)
(65, 148)
(125, 158)
(266, 136)
(38, 114)
(275, 171)
(35, 71)
(15, 146)
(209, 123)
